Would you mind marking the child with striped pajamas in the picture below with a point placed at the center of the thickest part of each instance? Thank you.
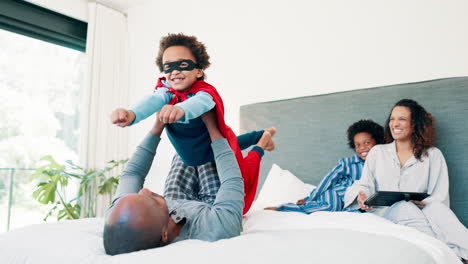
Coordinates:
(328, 196)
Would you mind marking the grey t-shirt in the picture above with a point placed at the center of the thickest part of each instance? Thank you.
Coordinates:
(209, 222)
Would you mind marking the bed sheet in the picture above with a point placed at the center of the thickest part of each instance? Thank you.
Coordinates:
(268, 236)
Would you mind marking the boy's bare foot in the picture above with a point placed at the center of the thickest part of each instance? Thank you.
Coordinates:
(209, 118)
(158, 127)
(273, 208)
(266, 141)
(272, 130)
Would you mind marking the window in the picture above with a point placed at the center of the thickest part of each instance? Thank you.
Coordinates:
(42, 67)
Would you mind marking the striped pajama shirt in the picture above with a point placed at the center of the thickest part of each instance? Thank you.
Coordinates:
(328, 195)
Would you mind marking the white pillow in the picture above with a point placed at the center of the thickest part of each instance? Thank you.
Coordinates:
(281, 186)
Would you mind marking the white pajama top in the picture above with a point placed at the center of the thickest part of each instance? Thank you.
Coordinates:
(382, 172)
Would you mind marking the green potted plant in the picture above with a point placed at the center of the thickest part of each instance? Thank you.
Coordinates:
(53, 179)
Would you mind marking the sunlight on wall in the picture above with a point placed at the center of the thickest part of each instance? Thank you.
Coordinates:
(270, 49)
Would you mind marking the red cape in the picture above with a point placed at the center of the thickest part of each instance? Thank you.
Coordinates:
(250, 165)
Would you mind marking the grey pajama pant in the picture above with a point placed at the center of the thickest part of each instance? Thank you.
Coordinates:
(199, 183)
(436, 220)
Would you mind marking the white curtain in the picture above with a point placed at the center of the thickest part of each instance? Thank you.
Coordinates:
(107, 89)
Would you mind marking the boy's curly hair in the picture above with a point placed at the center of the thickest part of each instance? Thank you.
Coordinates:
(368, 126)
(197, 48)
(424, 133)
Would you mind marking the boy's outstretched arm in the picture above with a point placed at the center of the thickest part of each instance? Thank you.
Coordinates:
(195, 106)
(147, 106)
(122, 117)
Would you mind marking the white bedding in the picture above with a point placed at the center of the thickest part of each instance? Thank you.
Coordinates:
(268, 237)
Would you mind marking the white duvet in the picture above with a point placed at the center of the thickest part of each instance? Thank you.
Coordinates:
(268, 237)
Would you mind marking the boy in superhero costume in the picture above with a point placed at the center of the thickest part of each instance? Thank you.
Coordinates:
(181, 97)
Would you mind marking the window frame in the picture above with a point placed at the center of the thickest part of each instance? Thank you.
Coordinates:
(27, 19)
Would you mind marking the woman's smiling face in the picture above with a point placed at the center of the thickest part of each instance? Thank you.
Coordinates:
(400, 123)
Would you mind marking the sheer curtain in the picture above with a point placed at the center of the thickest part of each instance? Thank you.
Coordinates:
(107, 89)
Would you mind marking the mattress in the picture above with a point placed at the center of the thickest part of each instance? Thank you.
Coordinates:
(268, 237)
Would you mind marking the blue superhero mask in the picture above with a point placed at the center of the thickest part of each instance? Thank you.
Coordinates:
(182, 65)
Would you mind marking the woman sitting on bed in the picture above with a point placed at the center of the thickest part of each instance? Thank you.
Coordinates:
(411, 163)
(328, 196)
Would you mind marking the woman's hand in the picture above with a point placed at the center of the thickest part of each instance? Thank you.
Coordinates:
(419, 204)
(361, 198)
(273, 208)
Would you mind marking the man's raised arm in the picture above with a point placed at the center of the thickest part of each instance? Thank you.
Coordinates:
(133, 177)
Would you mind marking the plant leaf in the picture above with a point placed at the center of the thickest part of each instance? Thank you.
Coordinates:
(45, 192)
(108, 186)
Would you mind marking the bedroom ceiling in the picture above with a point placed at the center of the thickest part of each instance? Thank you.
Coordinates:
(121, 5)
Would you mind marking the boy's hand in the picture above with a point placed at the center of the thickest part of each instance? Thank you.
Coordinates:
(170, 114)
(122, 117)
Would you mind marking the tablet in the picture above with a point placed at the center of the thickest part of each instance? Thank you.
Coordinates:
(387, 198)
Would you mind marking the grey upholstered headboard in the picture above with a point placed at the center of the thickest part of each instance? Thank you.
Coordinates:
(312, 130)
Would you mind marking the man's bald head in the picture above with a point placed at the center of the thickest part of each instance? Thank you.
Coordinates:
(136, 222)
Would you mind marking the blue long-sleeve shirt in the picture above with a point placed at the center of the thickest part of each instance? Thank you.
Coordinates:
(188, 135)
(195, 106)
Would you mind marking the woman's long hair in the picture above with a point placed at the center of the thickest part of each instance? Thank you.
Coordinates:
(422, 122)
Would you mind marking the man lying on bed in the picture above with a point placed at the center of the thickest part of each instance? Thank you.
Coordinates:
(140, 219)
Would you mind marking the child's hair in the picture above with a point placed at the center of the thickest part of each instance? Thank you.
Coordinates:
(197, 48)
(368, 126)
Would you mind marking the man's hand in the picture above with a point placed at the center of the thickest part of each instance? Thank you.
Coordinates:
(273, 208)
(158, 127)
(170, 114)
(209, 118)
(419, 204)
(361, 198)
(122, 117)
(300, 202)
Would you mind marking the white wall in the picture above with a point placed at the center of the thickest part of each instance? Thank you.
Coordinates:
(269, 49)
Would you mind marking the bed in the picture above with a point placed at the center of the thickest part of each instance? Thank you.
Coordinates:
(308, 145)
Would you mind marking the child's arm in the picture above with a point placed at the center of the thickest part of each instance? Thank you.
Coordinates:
(195, 106)
(252, 138)
(144, 108)
(122, 117)
(248, 139)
